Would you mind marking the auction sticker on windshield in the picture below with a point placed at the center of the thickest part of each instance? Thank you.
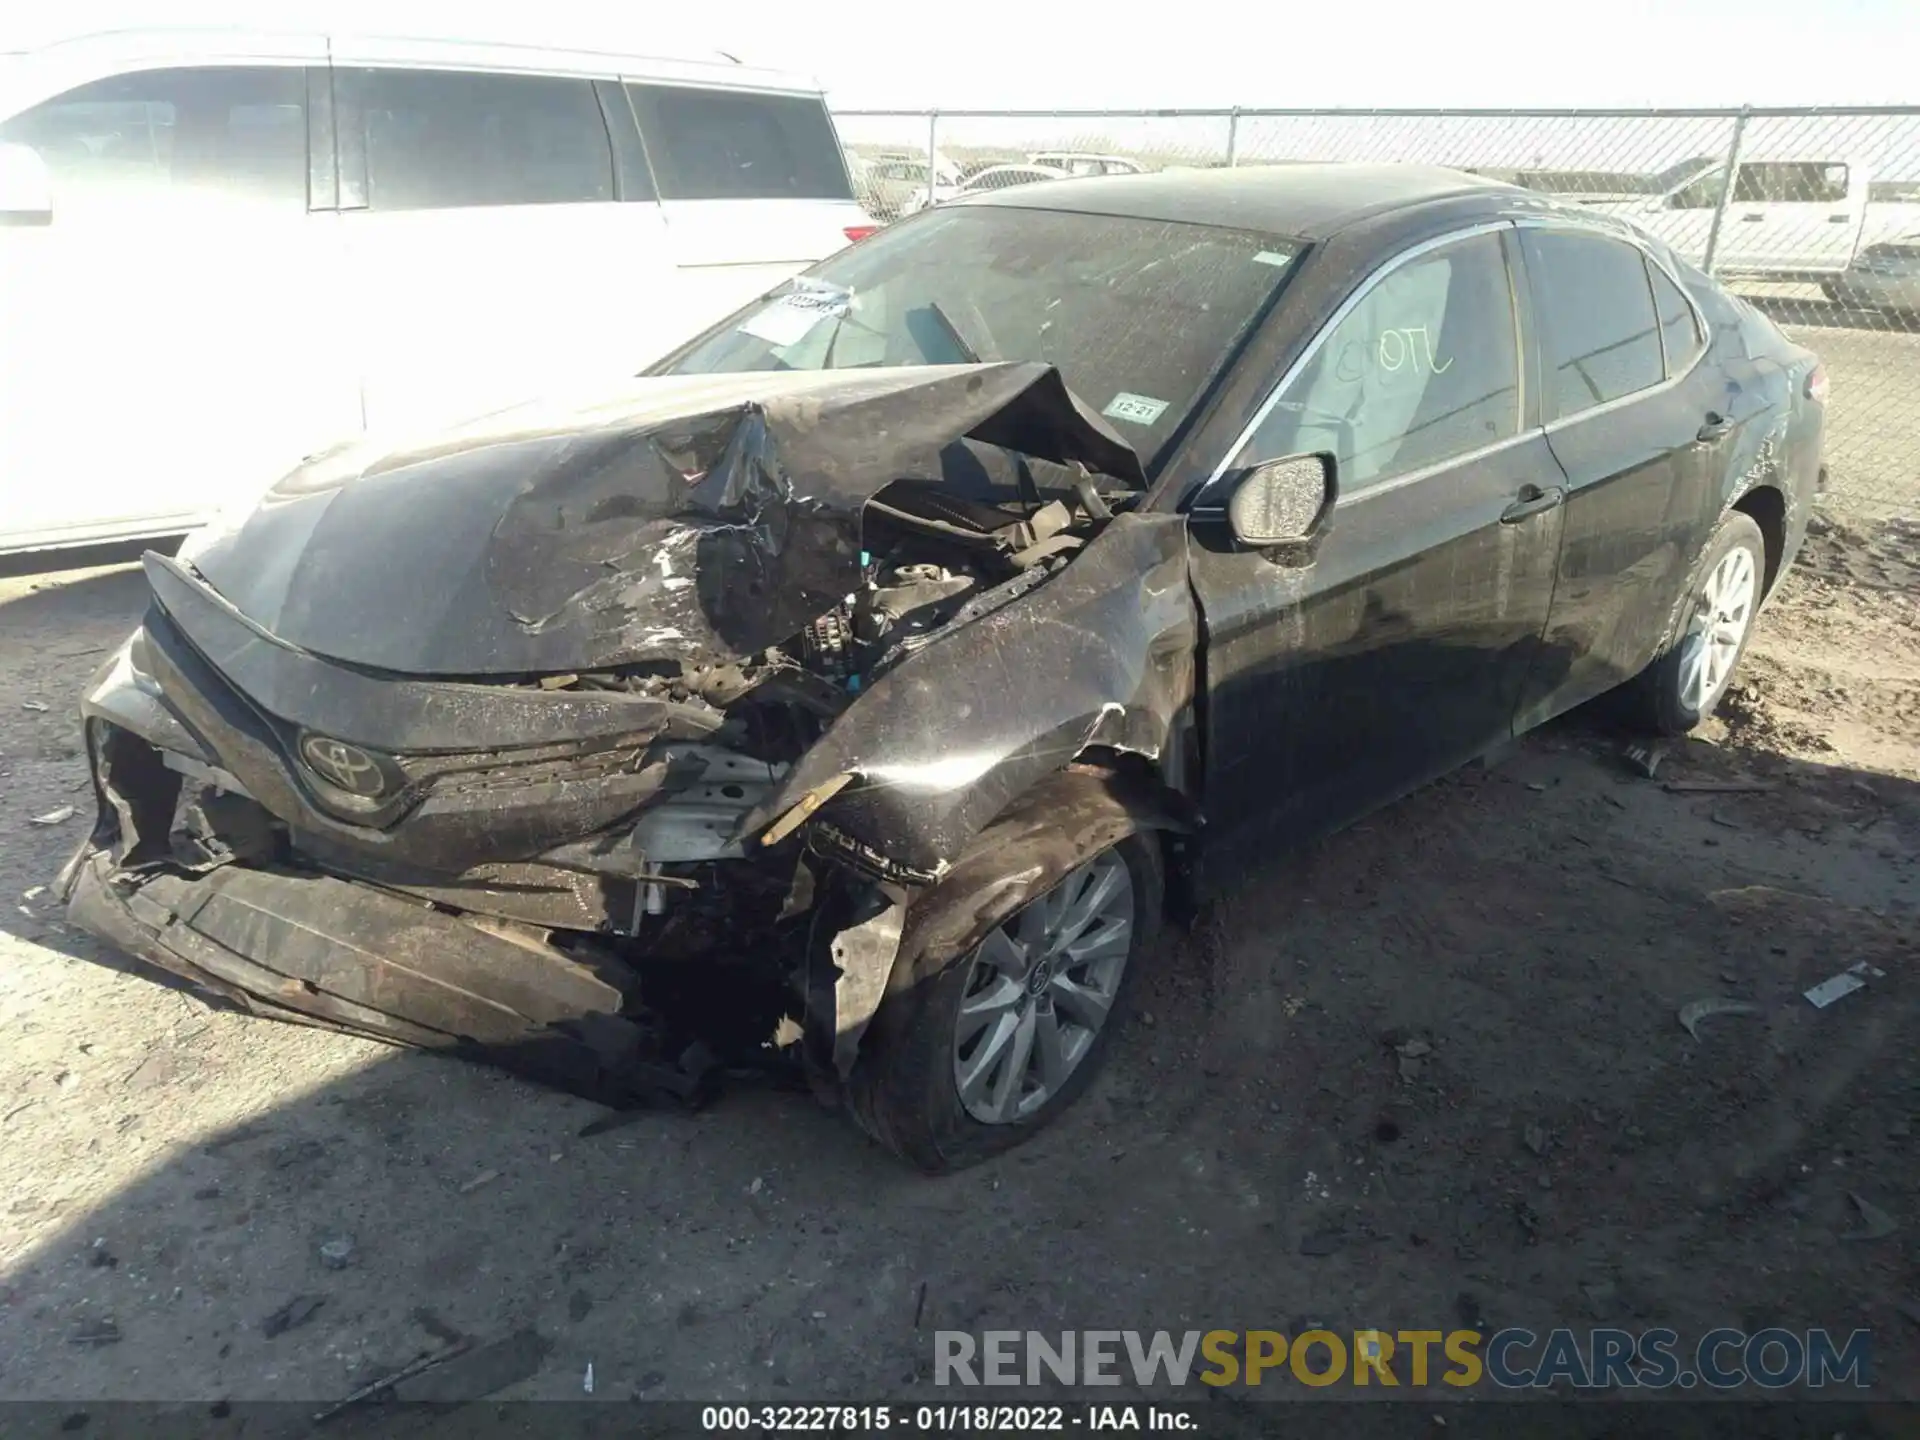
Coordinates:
(787, 319)
(1140, 409)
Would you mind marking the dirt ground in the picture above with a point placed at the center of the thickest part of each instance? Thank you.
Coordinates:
(1429, 1073)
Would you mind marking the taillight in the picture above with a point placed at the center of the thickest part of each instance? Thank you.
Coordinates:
(857, 233)
(1817, 383)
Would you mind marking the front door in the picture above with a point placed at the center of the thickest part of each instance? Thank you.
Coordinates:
(1397, 652)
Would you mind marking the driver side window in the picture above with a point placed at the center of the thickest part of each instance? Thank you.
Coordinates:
(1425, 367)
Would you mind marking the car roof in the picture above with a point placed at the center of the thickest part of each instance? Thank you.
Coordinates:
(1307, 202)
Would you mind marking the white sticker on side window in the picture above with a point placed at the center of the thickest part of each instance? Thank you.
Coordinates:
(1139, 409)
(1272, 257)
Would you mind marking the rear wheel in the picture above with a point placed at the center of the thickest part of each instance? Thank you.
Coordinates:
(975, 1052)
(1681, 688)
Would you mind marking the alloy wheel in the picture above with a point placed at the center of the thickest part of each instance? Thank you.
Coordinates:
(1721, 618)
(1039, 990)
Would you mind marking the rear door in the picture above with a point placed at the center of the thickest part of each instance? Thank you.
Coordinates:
(1636, 423)
(752, 184)
(164, 337)
(502, 236)
(1793, 216)
(1334, 686)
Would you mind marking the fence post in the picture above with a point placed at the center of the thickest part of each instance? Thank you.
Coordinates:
(1726, 189)
(1233, 137)
(933, 153)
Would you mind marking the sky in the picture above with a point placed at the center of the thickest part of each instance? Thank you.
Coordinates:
(1019, 54)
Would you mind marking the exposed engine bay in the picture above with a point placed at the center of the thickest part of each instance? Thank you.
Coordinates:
(514, 753)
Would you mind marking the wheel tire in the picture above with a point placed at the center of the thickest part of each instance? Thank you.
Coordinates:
(903, 1091)
(1660, 697)
(1831, 289)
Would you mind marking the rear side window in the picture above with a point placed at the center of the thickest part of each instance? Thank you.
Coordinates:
(1680, 335)
(1422, 369)
(448, 139)
(235, 133)
(736, 145)
(1598, 337)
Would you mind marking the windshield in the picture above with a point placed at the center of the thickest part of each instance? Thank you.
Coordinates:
(1137, 315)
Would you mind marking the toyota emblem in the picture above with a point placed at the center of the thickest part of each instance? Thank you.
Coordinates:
(343, 766)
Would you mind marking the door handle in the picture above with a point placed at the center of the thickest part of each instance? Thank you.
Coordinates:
(1839, 219)
(1532, 501)
(1751, 219)
(1717, 427)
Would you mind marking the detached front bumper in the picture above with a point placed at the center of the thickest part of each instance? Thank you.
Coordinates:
(350, 957)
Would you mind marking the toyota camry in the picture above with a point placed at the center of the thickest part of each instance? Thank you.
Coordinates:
(857, 691)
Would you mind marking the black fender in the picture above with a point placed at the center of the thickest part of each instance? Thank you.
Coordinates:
(874, 938)
(1100, 657)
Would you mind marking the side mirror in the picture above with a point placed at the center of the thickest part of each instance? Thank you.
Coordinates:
(26, 187)
(1282, 502)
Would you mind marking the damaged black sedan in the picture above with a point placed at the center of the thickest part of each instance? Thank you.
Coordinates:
(859, 688)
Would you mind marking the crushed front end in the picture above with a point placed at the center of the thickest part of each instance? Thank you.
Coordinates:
(495, 746)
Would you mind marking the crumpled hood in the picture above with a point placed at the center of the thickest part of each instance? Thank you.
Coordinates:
(692, 518)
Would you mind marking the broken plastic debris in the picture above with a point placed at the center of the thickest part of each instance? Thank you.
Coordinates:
(587, 1384)
(55, 817)
(485, 1177)
(36, 705)
(1853, 978)
(1646, 758)
(1876, 1224)
(1694, 1012)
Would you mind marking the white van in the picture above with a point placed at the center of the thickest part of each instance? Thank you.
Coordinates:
(1791, 216)
(223, 250)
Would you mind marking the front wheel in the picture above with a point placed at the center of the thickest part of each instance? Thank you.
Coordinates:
(1681, 688)
(979, 1050)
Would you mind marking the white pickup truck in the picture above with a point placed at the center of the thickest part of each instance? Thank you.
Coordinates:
(1796, 216)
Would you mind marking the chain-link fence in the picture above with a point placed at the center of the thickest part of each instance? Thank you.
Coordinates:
(1820, 227)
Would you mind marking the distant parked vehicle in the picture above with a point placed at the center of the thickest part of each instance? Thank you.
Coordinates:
(889, 186)
(1585, 187)
(1079, 162)
(242, 247)
(994, 177)
(1790, 216)
(1885, 276)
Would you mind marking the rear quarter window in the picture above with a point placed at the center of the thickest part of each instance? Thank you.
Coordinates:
(1599, 337)
(1680, 335)
(738, 145)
